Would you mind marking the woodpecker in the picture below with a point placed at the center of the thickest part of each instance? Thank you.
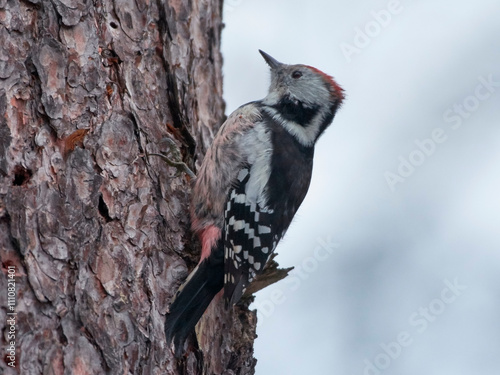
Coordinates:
(250, 184)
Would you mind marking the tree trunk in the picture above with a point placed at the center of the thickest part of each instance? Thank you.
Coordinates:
(94, 231)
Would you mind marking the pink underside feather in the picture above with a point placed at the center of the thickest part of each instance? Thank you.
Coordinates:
(209, 237)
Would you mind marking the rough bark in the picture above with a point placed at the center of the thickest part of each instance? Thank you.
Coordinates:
(97, 230)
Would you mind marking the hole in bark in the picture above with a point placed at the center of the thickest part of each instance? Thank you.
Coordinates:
(113, 25)
(21, 175)
(6, 264)
(103, 209)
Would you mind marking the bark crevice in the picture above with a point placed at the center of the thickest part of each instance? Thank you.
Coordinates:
(97, 231)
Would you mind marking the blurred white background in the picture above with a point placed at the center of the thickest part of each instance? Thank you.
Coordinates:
(397, 244)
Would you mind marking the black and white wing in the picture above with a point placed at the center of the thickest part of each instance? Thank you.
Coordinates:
(249, 239)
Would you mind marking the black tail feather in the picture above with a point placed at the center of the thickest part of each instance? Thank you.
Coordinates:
(192, 299)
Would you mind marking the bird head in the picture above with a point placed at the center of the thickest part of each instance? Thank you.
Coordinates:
(302, 98)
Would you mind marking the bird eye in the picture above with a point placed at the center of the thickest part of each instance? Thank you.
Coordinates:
(296, 74)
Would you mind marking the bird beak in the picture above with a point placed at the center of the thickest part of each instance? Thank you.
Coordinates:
(272, 62)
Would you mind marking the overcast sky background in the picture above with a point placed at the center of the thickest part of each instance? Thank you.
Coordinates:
(417, 260)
